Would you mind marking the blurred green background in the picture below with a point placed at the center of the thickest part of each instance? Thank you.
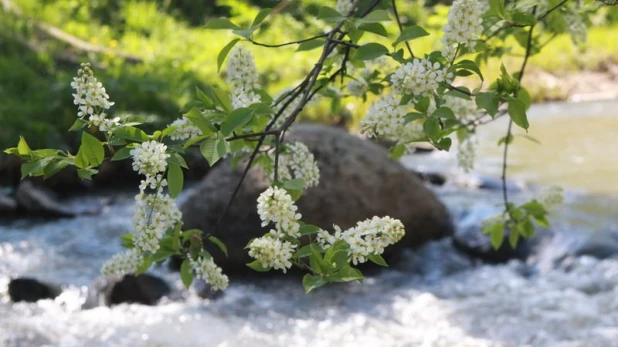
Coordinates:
(150, 55)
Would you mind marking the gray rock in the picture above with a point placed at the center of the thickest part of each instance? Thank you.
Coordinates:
(143, 289)
(31, 290)
(36, 201)
(358, 181)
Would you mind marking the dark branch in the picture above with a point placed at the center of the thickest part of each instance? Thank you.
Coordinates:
(396, 13)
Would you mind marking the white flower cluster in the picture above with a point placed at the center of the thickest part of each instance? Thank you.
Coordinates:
(420, 77)
(275, 205)
(206, 269)
(577, 28)
(280, 103)
(122, 263)
(384, 117)
(184, 129)
(243, 77)
(154, 214)
(344, 6)
(464, 110)
(551, 196)
(150, 158)
(272, 252)
(466, 152)
(371, 236)
(92, 99)
(464, 25)
(358, 87)
(298, 162)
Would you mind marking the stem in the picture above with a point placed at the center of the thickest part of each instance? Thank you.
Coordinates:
(396, 13)
(286, 43)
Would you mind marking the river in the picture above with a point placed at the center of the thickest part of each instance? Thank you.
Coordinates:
(436, 296)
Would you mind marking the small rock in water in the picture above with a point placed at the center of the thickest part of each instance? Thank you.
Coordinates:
(31, 290)
(36, 201)
(143, 289)
(7, 205)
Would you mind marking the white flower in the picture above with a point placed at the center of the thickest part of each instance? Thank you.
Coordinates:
(91, 99)
(411, 132)
(206, 269)
(184, 129)
(241, 70)
(420, 77)
(384, 117)
(464, 25)
(275, 205)
(123, 263)
(244, 97)
(358, 87)
(154, 215)
(344, 6)
(298, 162)
(371, 236)
(551, 196)
(464, 110)
(272, 252)
(577, 28)
(150, 158)
(466, 152)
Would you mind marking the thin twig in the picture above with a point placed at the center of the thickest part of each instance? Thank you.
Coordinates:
(396, 13)
(298, 42)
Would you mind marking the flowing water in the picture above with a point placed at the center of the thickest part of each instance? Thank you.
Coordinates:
(435, 296)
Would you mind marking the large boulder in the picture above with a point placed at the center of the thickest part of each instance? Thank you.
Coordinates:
(37, 201)
(358, 181)
(144, 289)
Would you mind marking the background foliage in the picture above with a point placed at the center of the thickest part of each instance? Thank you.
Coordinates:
(169, 53)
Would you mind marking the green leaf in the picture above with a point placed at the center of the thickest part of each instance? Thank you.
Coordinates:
(432, 127)
(397, 151)
(132, 134)
(410, 33)
(523, 18)
(127, 240)
(444, 144)
(374, 17)
(209, 149)
(308, 229)
(513, 238)
(177, 159)
(197, 118)
(86, 174)
(471, 66)
(54, 167)
(488, 101)
(175, 180)
(302, 252)
(246, 33)
(526, 228)
(375, 28)
(443, 112)
(347, 274)
(90, 152)
(329, 14)
(295, 184)
(186, 273)
(370, 51)
(496, 8)
(121, 154)
(23, 149)
(220, 23)
(497, 236)
(377, 259)
(261, 16)
(257, 266)
(143, 267)
(311, 282)
(218, 243)
(236, 119)
(224, 52)
(309, 45)
(78, 124)
(517, 111)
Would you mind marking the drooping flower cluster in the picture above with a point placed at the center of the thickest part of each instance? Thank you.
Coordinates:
(154, 214)
(420, 77)
(298, 162)
(466, 153)
(275, 205)
(384, 117)
(272, 252)
(184, 129)
(551, 196)
(122, 263)
(150, 160)
(206, 269)
(92, 99)
(464, 25)
(243, 77)
(344, 6)
(464, 110)
(577, 28)
(371, 236)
